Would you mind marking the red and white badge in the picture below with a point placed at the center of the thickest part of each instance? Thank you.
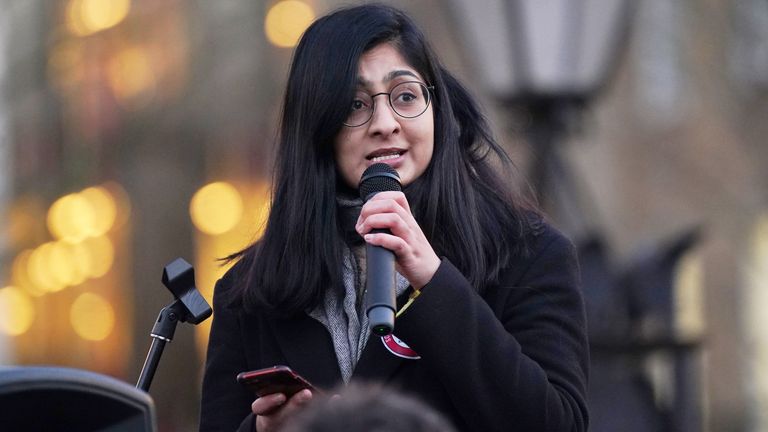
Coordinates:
(399, 348)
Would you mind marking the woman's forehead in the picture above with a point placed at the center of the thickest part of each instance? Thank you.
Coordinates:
(383, 64)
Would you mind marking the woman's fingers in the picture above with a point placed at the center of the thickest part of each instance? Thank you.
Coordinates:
(416, 260)
(268, 403)
(272, 410)
(399, 197)
(387, 203)
(384, 206)
(387, 241)
(391, 221)
(295, 403)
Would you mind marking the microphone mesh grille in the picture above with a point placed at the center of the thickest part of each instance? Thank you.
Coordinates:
(378, 177)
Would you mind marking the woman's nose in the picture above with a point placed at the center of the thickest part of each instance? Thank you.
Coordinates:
(384, 120)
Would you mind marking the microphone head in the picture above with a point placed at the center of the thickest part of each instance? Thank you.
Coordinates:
(378, 177)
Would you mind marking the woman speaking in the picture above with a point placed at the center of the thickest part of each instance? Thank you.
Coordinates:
(490, 328)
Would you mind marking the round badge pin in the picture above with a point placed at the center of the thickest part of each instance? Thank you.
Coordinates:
(399, 348)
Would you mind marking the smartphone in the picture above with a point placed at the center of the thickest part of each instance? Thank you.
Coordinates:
(275, 379)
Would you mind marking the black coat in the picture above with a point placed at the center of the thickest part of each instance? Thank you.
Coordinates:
(515, 359)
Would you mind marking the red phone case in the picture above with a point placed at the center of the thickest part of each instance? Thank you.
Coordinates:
(276, 379)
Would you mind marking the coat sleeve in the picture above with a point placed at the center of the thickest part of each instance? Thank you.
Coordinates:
(518, 360)
(225, 403)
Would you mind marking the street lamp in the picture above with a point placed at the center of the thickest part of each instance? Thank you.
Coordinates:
(543, 49)
(552, 58)
(549, 57)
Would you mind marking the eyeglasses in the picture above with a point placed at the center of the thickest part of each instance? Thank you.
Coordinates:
(408, 100)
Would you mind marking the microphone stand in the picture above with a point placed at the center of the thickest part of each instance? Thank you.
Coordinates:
(188, 306)
(162, 333)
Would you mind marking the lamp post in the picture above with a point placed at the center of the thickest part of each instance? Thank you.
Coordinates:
(552, 58)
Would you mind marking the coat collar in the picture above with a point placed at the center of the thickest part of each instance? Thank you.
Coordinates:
(308, 348)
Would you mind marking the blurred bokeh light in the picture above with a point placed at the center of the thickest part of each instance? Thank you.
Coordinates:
(102, 255)
(216, 208)
(131, 77)
(92, 317)
(16, 311)
(286, 21)
(85, 17)
(72, 218)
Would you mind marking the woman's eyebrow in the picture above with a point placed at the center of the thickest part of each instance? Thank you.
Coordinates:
(362, 82)
(398, 73)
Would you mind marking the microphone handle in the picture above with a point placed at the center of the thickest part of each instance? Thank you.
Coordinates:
(380, 287)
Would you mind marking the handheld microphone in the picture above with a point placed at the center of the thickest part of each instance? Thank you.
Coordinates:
(380, 262)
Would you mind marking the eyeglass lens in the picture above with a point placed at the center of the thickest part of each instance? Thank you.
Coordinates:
(408, 99)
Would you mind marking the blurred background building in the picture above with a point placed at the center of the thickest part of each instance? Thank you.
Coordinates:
(136, 131)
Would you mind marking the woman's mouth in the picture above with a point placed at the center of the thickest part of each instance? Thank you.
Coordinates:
(385, 155)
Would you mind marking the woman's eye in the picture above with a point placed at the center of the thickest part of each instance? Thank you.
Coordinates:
(406, 97)
(357, 104)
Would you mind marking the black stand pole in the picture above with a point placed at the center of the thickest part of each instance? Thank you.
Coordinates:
(162, 333)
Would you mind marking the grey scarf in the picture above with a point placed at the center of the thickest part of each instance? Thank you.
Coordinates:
(343, 314)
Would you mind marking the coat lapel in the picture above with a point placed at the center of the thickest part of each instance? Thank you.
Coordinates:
(308, 348)
(376, 363)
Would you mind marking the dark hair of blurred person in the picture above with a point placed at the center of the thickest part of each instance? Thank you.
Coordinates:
(367, 408)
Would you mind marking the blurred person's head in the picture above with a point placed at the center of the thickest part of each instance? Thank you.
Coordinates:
(367, 408)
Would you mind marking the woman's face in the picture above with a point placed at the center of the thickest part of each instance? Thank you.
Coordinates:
(406, 144)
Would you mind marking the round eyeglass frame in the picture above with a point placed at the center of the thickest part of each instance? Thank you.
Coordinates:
(389, 100)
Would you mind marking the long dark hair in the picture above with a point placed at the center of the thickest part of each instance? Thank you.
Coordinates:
(467, 210)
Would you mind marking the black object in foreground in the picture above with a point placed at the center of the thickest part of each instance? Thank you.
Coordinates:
(48, 398)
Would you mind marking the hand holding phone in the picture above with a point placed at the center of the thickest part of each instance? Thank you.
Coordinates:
(275, 379)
